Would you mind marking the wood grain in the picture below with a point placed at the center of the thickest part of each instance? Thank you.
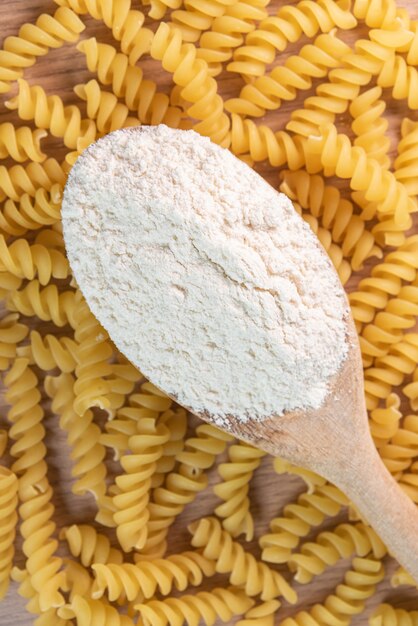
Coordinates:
(58, 72)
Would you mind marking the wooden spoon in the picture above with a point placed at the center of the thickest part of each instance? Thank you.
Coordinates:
(333, 440)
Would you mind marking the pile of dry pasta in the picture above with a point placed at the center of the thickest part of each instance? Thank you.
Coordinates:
(233, 70)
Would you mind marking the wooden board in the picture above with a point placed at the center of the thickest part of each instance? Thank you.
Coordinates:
(58, 72)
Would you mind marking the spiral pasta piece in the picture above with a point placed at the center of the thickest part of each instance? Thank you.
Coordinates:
(402, 577)
(406, 163)
(311, 480)
(89, 545)
(198, 87)
(204, 606)
(260, 615)
(8, 522)
(35, 493)
(132, 514)
(103, 107)
(77, 579)
(21, 143)
(83, 436)
(94, 351)
(228, 31)
(263, 144)
(375, 13)
(384, 420)
(283, 82)
(12, 332)
(339, 157)
(145, 579)
(140, 95)
(287, 26)
(236, 474)
(18, 180)
(242, 567)
(47, 304)
(182, 486)
(50, 352)
(387, 615)
(126, 24)
(336, 214)
(31, 213)
(343, 541)
(310, 510)
(88, 612)
(402, 78)
(343, 86)
(369, 126)
(49, 112)
(34, 40)
(348, 599)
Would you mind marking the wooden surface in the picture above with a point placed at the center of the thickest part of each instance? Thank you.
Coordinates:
(58, 72)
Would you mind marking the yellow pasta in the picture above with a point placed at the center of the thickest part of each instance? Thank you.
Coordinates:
(243, 460)
(401, 577)
(50, 352)
(348, 599)
(21, 143)
(288, 25)
(77, 579)
(311, 480)
(8, 523)
(146, 578)
(34, 40)
(387, 615)
(205, 606)
(103, 107)
(12, 332)
(345, 540)
(369, 126)
(406, 163)
(310, 510)
(140, 95)
(90, 546)
(268, 91)
(49, 112)
(403, 78)
(87, 453)
(242, 567)
(261, 615)
(88, 612)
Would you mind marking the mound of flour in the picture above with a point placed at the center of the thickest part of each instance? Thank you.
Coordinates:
(203, 275)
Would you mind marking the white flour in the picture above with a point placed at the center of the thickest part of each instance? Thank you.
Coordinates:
(204, 275)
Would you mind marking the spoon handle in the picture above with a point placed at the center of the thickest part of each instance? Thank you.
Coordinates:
(381, 501)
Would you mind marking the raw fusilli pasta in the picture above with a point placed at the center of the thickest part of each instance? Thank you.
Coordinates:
(89, 545)
(387, 615)
(8, 523)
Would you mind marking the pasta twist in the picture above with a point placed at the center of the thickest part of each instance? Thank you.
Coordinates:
(387, 615)
(132, 514)
(8, 522)
(12, 332)
(31, 213)
(182, 486)
(236, 474)
(298, 518)
(346, 540)
(343, 86)
(227, 32)
(34, 40)
(77, 579)
(21, 143)
(384, 421)
(261, 615)
(93, 354)
(50, 352)
(369, 126)
(35, 492)
(25, 261)
(83, 436)
(103, 107)
(339, 157)
(18, 180)
(49, 112)
(3, 441)
(243, 568)
(263, 144)
(198, 87)
(311, 480)
(337, 215)
(88, 612)
(89, 545)
(291, 22)
(348, 599)
(402, 577)
(48, 304)
(402, 78)
(143, 580)
(375, 13)
(406, 163)
(267, 92)
(128, 82)
(205, 606)
(125, 23)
